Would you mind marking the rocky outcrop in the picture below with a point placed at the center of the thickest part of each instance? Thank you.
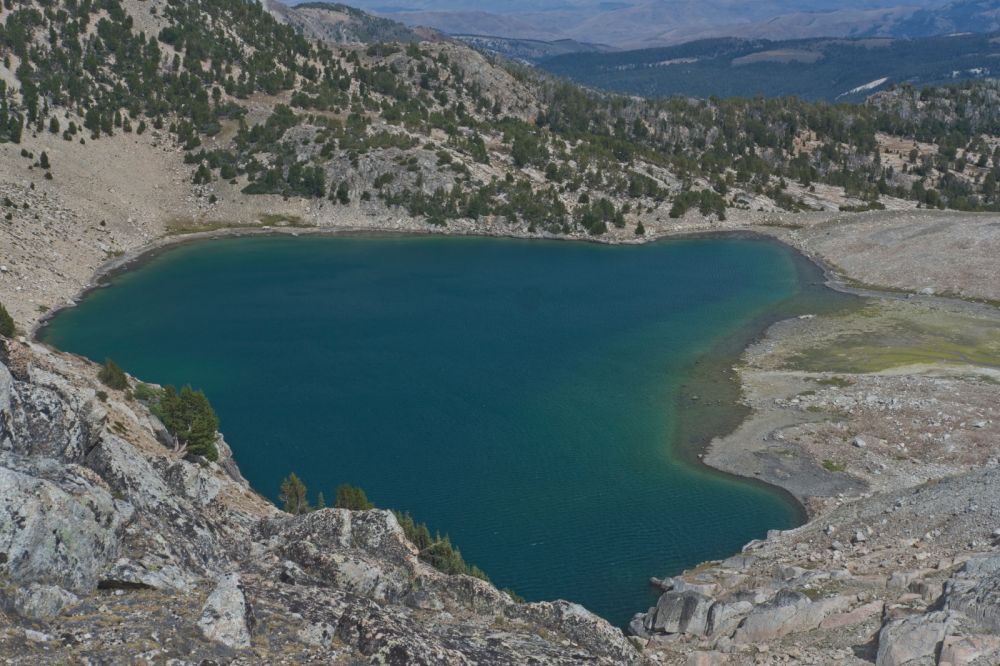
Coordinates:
(903, 578)
(912, 639)
(57, 524)
(126, 553)
(227, 617)
(975, 592)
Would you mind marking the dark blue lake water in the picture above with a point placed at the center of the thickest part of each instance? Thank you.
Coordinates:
(521, 396)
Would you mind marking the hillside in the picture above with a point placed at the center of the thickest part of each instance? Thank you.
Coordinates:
(963, 16)
(530, 51)
(813, 69)
(903, 21)
(319, 134)
(126, 125)
(340, 24)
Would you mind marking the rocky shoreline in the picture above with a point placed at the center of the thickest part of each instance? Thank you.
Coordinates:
(696, 455)
(116, 549)
(883, 421)
(805, 416)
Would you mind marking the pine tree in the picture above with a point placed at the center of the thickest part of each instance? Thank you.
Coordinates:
(293, 495)
(343, 194)
(202, 175)
(351, 497)
(188, 415)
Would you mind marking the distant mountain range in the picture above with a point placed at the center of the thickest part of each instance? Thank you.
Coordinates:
(632, 24)
(816, 69)
(531, 51)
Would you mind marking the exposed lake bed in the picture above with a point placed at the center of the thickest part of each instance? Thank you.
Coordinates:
(554, 526)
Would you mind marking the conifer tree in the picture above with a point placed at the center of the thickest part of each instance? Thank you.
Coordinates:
(188, 415)
(112, 376)
(351, 497)
(293, 495)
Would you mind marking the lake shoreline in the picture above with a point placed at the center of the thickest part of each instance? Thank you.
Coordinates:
(736, 453)
(695, 453)
(698, 275)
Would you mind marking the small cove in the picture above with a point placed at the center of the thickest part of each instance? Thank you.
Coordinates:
(538, 401)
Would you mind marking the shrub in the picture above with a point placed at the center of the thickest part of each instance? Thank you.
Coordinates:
(112, 376)
(6, 323)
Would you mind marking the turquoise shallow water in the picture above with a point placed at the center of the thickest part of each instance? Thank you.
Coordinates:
(518, 395)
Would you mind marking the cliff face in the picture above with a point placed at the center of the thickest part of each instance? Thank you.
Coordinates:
(112, 550)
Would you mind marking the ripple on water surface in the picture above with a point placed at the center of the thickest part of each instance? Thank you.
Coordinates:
(517, 395)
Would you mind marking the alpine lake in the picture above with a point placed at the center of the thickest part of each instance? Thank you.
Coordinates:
(541, 402)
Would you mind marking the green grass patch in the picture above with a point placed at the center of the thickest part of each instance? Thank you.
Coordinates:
(834, 466)
(836, 381)
(884, 337)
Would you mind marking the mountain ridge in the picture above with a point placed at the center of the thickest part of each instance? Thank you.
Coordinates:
(817, 69)
(635, 25)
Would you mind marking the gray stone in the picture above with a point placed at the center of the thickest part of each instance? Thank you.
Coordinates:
(682, 585)
(60, 530)
(788, 612)
(129, 574)
(682, 613)
(739, 562)
(227, 616)
(913, 638)
(978, 598)
(725, 616)
(637, 626)
(41, 602)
